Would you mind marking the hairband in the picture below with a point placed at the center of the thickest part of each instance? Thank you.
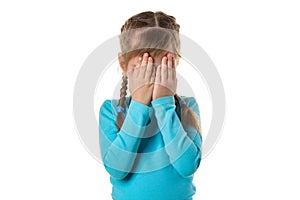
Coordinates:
(120, 109)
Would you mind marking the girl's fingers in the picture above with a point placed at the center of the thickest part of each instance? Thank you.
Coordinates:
(136, 69)
(158, 74)
(170, 60)
(173, 69)
(170, 66)
(174, 62)
(144, 65)
(164, 69)
(152, 79)
(139, 61)
(149, 70)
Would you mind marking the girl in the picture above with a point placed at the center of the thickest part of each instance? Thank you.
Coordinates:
(150, 141)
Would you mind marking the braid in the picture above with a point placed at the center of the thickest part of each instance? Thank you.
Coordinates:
(188, 116)
(120, 117)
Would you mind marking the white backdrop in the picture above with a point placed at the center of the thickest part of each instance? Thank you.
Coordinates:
(254, 45)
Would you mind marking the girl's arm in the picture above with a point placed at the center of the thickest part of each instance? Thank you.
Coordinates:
(118, 149)
(183, 148)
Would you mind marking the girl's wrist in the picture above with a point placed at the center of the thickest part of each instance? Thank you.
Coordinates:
(141, 101)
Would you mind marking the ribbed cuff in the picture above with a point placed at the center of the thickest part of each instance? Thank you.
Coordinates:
(164, 100)
(140, 113)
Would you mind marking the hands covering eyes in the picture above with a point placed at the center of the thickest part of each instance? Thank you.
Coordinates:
(148, 82)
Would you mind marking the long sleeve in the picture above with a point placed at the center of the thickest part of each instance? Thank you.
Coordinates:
(119, 149)
(183, 148)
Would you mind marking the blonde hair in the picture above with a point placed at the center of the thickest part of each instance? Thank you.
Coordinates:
(165, 40)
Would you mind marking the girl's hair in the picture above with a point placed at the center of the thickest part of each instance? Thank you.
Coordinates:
(159, 20)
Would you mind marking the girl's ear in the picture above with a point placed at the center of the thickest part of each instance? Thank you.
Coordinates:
(122, 62)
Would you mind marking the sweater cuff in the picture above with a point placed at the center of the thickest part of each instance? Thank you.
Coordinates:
(164, 100)
(140, 113)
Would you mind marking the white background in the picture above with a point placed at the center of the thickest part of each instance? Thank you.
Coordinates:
(254, 44)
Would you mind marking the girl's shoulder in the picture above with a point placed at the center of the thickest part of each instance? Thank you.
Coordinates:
(116, 101)
(187, 99)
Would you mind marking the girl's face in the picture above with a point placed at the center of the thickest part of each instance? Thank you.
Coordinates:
(134, 60)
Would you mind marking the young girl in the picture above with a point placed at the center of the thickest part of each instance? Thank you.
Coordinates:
(150, 141)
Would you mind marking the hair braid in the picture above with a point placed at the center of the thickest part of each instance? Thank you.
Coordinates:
(188, 116)
(120, 117)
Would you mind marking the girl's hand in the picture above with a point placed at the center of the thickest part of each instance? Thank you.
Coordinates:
(141, 80)
(165, 79)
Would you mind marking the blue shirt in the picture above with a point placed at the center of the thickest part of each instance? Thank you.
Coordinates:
(152, 157)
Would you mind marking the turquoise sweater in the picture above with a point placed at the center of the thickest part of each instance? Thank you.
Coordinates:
(152, 157)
